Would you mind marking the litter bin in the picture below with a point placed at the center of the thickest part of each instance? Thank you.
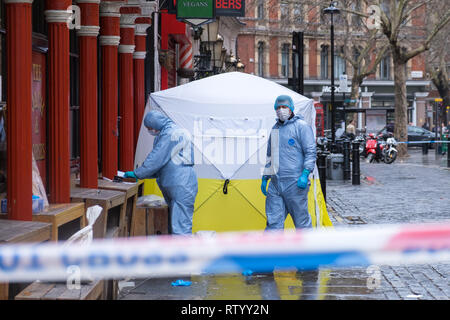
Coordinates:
(335, 167)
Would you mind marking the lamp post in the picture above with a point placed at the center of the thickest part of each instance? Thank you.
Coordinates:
(217, 59)
(332, 10)
(240, 66)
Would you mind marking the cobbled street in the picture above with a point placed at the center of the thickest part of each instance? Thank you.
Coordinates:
(414, 190)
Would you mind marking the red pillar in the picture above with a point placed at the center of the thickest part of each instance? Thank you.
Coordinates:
(59, 95)
(88, 92)
(109, 41)
(19, 158)
(126, 100)
(139, 73)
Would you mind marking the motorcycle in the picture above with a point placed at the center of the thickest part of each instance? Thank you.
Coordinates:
(389, 151)
(373, 149)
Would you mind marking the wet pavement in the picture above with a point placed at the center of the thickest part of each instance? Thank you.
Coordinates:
(413, 190)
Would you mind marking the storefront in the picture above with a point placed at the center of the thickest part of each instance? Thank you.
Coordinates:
(61, 98)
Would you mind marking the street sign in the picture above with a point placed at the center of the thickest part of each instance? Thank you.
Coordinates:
(438, 100)
(195, 9)
(343, 81)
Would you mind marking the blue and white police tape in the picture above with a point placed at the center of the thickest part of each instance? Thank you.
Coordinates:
(161, 256)
(422, 142)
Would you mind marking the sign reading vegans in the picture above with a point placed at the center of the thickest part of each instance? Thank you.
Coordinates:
(195, 9)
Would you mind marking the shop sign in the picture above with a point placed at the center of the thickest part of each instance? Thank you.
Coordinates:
(230, 8)
(195, 9)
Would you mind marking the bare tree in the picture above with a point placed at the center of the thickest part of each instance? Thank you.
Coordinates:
(364, 47)
(438, 60)
(394, 18)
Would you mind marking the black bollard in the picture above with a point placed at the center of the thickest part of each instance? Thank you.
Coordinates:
(424, 148)
(322, 167)
(346, 151)
(356, 171)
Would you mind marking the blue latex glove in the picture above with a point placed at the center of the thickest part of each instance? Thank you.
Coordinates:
(247, 272)
(265, 179)
(130, 174)
(181, 283)
(302, 182)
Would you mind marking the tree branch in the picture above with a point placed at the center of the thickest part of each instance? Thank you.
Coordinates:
(426, 45)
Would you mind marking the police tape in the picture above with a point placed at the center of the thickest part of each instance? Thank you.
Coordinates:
(423, 142)
(167, 256)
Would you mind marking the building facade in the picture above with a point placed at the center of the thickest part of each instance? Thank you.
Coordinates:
(265, 47)
(74, 78)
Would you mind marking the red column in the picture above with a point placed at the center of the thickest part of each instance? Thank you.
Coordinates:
(59, 95)
(109, 41)
(19, 170)
(88, 92)
(139, 73)
(126, 100)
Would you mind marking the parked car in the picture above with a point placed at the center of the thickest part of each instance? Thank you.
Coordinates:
(414, 134)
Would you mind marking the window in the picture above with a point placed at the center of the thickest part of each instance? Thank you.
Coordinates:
(260, 10)
(298, 14)
(356, 19)
(324, 62)
(261, 59)
(74, 109)
(339, 64)
(385, 8)
(285, 60)
(385, 68)
(356, 53)
(284, 10)
(3, 155)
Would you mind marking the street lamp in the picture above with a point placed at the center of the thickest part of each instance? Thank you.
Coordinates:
(332, 10)
(204, 62)
(240, 66)
(218, 46)
(230, 62)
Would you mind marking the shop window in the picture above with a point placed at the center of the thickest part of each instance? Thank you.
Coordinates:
(74, 114)
(38, 21)
(3, 167)
(285, 60)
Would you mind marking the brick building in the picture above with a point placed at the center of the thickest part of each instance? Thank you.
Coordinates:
(265, 47)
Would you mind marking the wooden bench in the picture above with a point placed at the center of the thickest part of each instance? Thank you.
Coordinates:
(131, 191)
(60, 291)
(150, 221)
(109, 224)
(63, 218)
(12, 231)
(112, 218)
(66, 219)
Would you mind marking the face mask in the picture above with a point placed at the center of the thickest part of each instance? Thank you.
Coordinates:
(283, 114)
(153, 132)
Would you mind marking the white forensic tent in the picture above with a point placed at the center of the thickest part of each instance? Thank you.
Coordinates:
(229, 117)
